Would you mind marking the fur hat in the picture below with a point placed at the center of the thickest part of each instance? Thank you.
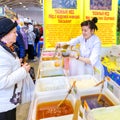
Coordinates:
(6, 25)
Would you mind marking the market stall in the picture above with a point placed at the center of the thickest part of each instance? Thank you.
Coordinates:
(54, 86)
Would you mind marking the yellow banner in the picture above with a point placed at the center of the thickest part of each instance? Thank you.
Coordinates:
(106, 12)
(62, 20)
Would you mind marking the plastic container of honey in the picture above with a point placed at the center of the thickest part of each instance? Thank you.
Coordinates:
(52, 64)
(65, 117)
(84, 83)
(51, 85)
(51, 98)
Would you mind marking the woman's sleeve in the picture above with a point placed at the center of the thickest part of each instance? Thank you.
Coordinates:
(9, 77)
(95, 54)
(75, 41)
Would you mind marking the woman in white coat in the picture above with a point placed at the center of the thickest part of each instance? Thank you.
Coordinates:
(90, 48)
(11, 71)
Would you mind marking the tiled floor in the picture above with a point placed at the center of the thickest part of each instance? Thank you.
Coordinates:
(22, 110)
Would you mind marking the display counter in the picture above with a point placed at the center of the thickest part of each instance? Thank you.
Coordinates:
(49, 66)
(55, 88)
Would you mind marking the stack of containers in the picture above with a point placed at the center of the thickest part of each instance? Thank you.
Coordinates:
(50, 87)
(55, 88)
(47, 55)
(85, 87)
(51, 68)
(49, 65)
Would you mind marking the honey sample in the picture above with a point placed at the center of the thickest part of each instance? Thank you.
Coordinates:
(51, 109)
(94, 103)
(57, 63)
(45, 58)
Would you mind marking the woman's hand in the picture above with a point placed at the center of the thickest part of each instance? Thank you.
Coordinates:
(71, 55)
(58, 45)
(26, 66)
(62, 45)
(74, 55)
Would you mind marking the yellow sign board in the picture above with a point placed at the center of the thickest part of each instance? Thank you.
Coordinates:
(106, 12)
(62, 20)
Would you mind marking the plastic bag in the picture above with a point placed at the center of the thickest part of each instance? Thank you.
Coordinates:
(76, 67)
(32, 73)
(28, 89)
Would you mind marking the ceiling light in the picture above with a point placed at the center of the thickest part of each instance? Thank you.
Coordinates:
(20, 3)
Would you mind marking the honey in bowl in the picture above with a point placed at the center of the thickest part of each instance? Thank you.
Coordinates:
(65, 46)
(57, 64)
(51, 109)
(92, 101)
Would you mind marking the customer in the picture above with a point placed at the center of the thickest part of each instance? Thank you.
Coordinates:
(24, 30)
(90, 47)
(11, 71)
(31, 40)
(20, 49)
(37, 33)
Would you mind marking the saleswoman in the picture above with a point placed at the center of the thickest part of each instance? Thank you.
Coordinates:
(90, 48)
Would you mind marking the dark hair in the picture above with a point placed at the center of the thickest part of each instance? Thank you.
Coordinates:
(90, 23)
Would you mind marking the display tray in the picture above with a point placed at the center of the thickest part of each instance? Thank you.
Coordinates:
(48, 55)
(49, 65)
(47, 58)
(90, 102)
(51, 98)
(51, 84)
(84, 82)
(51, 109)
(91, 97)
(52, 72)
(106, 113)
(93, 102)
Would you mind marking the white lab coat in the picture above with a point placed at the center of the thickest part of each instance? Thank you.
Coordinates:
(89, 49)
